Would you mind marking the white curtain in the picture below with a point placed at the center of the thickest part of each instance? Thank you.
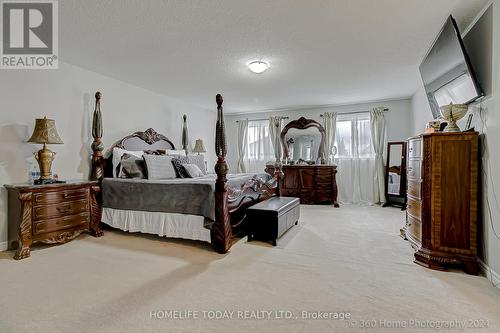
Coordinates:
(242, 144)
(275, 131)
(355, 158)
(330, 125)
(377, 125)
(259, 146)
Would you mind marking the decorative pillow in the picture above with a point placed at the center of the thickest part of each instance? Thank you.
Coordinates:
(193, 171)
(131, 167)
(179, 169)
(175, 152)
(159, 166)
(199, 160)
(117, 157)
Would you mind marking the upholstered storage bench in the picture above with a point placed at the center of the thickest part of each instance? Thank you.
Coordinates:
(270, 219)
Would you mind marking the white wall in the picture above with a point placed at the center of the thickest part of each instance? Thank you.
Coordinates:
(421, 111)
(67, 95)
(483, 45)
(398, 121)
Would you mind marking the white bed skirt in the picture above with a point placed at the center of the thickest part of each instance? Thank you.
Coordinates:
(156, 223)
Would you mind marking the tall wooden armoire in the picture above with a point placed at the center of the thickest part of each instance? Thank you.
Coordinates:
(442, 189)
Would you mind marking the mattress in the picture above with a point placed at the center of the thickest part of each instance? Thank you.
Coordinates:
(178, 208)
(192, 196)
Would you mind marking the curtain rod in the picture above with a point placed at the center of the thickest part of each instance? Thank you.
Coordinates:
(354, 112)
(285, 117)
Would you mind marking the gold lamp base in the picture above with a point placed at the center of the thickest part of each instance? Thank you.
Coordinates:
(44, 158)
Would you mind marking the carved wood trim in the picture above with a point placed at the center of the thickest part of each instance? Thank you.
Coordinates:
(62, 237)
(254, 190)
(25, 231)
(95, 211)
(221, 233)
(250, 194)
(150, 136)
(97, 171)
(427, 236)
(303, 123)
(335, 189)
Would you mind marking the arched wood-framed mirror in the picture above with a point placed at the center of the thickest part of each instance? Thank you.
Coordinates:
(303, 140)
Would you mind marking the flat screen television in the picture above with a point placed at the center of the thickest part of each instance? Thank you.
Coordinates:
(446, 71)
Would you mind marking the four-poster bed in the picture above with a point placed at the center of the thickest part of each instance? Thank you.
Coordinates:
(221, 199)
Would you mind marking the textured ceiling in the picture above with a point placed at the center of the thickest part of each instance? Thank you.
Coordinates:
(320, 52)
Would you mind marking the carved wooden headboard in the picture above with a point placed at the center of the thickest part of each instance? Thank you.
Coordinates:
(147, 140)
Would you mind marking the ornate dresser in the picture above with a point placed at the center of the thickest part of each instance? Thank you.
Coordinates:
(441, 222)
(54, 213)
(312, 184)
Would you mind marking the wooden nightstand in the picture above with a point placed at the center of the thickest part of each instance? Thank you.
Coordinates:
(54, 213)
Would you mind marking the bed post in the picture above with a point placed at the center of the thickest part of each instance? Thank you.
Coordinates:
(221, 230)
(97, 172)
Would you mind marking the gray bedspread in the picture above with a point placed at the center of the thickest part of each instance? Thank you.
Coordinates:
(194, 196)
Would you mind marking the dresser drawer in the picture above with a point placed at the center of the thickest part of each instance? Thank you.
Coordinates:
(60, 209)
(415, 148)
(414, 228)
(325, 172)
(414, 208)
(51, 197)
(414, 188)
(69, 221)
(324, 179)
(413, 170)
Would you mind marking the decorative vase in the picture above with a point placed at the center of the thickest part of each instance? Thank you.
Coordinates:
(453, 113)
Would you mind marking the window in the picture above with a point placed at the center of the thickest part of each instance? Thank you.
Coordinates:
(355, 158)
(259, 147)
(353, 136)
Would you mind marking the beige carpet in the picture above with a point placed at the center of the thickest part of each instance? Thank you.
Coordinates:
(348, 260)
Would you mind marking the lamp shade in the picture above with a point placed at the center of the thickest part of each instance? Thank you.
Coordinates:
(45, 132)
(199, 147)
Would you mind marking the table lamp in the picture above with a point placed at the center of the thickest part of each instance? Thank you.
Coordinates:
(43, 133)
(199, 147)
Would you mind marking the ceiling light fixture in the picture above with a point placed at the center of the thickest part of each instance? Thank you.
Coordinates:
(258, 66)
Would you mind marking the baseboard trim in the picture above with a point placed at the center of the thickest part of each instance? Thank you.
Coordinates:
(4, 246)
(490, 274)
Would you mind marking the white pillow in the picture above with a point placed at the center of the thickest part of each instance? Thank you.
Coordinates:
(159, 166)
(193, 170)
(175, 152)
(199, 160)
(117, 157)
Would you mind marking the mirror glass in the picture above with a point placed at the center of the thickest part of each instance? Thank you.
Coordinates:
(303, 145)
(394, 165)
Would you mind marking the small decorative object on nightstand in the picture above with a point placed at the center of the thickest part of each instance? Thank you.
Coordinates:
(51, 213)
(45, 132)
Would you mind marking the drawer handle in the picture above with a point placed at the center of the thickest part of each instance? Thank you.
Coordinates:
(63, 210)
